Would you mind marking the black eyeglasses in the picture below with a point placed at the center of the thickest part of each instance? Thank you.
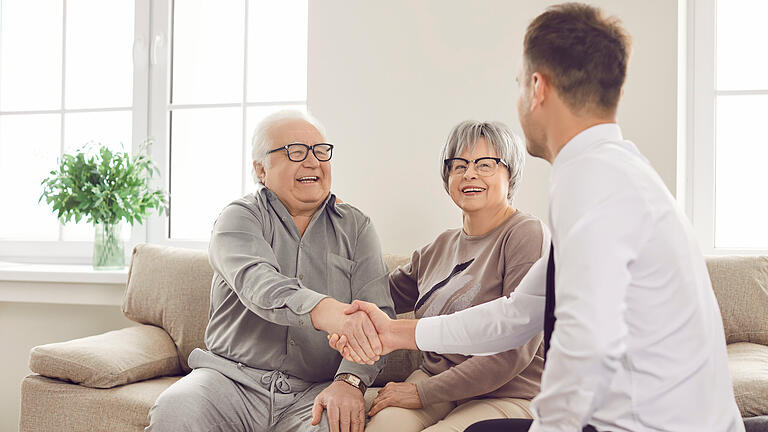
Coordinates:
(297, 152)
(484, 166)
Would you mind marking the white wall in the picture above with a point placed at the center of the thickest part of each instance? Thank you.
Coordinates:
(26, 325)
(389, 80)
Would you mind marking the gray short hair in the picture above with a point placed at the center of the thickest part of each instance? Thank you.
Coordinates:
(507, 145)
(260, 144)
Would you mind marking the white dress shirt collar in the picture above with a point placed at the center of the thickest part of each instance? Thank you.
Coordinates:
(588, 137)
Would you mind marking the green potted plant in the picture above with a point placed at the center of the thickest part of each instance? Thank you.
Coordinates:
(107, 188)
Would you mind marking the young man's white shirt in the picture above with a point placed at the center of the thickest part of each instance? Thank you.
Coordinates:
(639, 342)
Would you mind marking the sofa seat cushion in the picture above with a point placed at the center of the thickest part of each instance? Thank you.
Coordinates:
(52, 405)
(748, 364)
(110, 359)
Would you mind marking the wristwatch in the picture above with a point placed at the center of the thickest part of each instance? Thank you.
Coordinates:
(352, 380)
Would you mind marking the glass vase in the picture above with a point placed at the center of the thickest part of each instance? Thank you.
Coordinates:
(108, 247)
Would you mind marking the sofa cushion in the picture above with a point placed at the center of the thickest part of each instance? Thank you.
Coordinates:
(748, 364)
(51, 405)
(741, 288)
(395, 261)
(110, 359)
(170, 288)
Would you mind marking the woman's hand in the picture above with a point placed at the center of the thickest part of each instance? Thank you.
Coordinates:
(404, 395)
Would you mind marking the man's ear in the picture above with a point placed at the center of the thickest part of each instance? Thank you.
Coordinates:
(539, 89)
(260, 172)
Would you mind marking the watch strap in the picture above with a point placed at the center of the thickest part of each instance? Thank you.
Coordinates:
(352, 380)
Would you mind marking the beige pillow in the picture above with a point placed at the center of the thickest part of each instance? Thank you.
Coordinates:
(748, 364)
(395, 261)
(110, 359)
(171, 288)
(741, 288)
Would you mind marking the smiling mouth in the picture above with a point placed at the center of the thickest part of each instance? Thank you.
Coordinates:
(308, 179)
(472, 189)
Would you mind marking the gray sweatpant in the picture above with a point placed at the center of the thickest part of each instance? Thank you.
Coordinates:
(222, 395)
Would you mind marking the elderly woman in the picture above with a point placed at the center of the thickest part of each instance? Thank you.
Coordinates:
(483, 260)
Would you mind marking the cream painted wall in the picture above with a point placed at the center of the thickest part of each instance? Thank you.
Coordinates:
(26, 325)
(389, 80)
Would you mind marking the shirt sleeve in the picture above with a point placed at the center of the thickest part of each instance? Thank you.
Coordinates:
(597, 237)
(403, 284)
(239, 254)
(492, 327)
(370, 282)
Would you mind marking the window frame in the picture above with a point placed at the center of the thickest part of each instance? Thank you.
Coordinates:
(75, 251)
(696, 187)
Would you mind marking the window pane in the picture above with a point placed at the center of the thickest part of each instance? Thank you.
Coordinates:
(206, 173)
(742, 58)
(30, 49)
(254, 116)
(277, 50)
(208, 51)
(112, 129)
(99, 56)
(741, 207)
(29, 146)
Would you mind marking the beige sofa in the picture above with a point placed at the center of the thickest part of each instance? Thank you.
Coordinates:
(108, 382)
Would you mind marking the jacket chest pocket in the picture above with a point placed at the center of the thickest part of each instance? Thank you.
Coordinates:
(339, 271)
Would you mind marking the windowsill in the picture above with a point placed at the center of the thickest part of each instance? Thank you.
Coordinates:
(61, 284)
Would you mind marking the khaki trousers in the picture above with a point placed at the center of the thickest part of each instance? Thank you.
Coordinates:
(444, 416)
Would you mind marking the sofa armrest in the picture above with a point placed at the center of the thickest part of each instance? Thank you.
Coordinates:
(110, 359)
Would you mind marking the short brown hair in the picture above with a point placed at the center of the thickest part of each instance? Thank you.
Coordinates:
(581, 52)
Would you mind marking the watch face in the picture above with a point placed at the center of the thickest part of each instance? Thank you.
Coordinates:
(354, 380)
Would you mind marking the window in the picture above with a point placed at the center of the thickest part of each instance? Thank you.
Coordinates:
(192, 76)
(728, 144)
(59, 88)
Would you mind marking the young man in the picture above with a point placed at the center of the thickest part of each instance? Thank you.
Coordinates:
(633, 335)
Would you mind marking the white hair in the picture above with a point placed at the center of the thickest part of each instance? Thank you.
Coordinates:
(261, 142)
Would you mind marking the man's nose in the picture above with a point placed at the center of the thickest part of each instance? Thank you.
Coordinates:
(311, 161)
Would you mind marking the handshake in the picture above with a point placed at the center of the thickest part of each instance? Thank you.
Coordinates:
(361, 332)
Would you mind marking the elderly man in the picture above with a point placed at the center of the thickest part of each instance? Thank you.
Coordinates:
(287, 260)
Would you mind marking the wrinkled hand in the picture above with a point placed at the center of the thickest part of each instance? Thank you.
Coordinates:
(404, 395)
(382, 324)
(335, 317)
(344, 405)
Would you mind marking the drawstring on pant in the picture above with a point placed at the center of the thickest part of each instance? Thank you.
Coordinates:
(276, 380)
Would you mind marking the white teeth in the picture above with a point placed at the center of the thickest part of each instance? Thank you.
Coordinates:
(308, 179)
(472, 190)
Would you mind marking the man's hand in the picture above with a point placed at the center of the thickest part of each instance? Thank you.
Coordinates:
(345, 408)
(404, 395)
(393, 334)
(331, 316)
